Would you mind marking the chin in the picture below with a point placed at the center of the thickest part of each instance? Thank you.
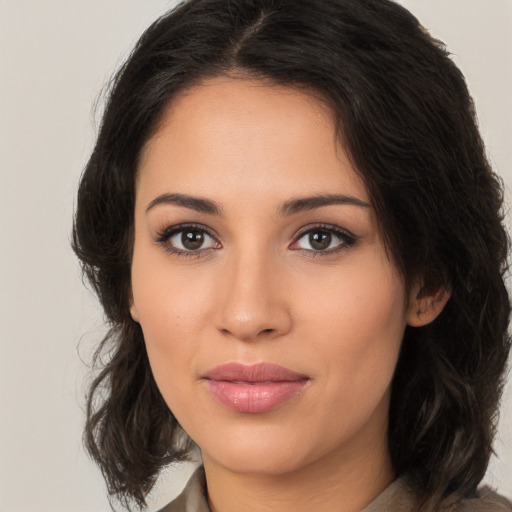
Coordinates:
(254, 461)
(264, 450)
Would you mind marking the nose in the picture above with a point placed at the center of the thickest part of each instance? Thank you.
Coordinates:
(254, 302)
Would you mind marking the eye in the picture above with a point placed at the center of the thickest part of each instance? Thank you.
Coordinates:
(327, 239)
(185, 240)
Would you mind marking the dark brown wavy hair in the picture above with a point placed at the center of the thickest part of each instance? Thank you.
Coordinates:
(406, 119)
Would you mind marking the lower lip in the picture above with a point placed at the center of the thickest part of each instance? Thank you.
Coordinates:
(254, 397)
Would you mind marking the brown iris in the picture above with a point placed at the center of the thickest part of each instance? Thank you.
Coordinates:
(320, 240)
(192, 240)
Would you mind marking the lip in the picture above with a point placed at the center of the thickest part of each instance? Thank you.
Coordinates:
(254, 388)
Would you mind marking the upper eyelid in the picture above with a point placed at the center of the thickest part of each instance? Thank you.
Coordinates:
(168, 231)
(202, 227)
(326, 227)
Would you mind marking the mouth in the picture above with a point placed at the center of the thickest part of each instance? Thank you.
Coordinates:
(255, 388)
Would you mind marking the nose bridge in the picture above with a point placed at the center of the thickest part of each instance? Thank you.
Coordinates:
(253, 304)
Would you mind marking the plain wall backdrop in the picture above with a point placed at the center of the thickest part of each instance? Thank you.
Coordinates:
(55, 57)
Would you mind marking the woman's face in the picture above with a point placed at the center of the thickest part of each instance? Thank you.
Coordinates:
(271, 313)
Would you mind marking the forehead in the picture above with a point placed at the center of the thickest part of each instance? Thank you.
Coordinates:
(252, 137)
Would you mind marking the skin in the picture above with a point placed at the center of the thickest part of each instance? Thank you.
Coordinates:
(256, 291)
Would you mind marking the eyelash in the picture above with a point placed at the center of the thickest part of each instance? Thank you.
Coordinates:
(346, 238)
(163, 237)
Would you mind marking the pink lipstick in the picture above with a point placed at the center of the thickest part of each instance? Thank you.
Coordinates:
(253, 388)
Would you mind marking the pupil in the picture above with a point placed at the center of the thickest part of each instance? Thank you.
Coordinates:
(192, 239)
(320, 240)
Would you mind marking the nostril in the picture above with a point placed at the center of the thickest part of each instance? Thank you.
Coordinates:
(264, 331)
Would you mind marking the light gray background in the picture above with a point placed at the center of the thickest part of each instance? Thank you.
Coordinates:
(55, 56)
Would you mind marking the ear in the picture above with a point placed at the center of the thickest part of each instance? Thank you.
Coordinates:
(133, 309)
(425, 307)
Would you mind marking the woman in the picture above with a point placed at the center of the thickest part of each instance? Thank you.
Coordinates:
(296, 237)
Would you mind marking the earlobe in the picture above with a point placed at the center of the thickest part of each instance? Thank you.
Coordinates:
(425, 308)
(134, 313)
(133, 310)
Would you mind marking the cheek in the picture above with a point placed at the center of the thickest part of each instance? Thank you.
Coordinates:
(169, 300)
(171, 311)
(357, 326)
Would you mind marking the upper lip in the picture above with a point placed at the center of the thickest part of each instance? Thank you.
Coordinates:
(260, 372)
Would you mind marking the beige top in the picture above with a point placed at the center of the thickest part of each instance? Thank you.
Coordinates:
(397, 497)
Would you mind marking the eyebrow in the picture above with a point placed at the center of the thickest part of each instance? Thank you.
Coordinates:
(194, 203)
(310, 203)
(289, 207)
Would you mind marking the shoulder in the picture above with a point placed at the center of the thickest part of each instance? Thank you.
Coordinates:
(192, 498)
(486, 501)
(401, 497)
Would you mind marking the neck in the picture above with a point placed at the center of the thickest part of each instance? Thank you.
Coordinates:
(340, 482)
